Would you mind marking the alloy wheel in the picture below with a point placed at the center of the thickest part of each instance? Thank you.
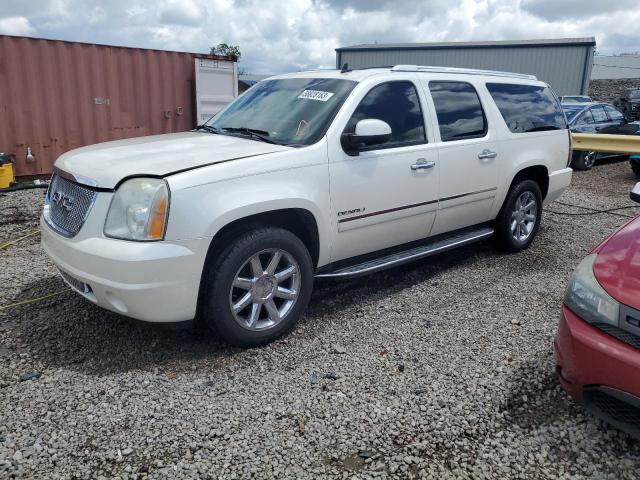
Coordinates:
(589, 159)
(265, 289)
(524, 216)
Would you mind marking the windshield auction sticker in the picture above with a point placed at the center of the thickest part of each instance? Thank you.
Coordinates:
(316, 95)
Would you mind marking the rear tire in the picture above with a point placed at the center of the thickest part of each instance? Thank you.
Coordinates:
(635, 166)
(583, 160)
(519, 219)
(257, 288)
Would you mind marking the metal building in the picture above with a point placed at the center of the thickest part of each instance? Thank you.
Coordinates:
(57, 95)
(615, 67)
(565, 64)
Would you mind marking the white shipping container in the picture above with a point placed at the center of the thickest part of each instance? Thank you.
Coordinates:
(216, 86)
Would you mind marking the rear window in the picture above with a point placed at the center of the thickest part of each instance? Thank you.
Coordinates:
(527, 108)
(459, 110)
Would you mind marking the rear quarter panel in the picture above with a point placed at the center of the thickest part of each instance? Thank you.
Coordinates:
(517, 151)
(523, 150)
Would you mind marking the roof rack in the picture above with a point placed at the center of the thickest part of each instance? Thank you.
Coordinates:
(464, 71)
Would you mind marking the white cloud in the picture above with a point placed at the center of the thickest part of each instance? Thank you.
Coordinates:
(16, 26)
(276, 36)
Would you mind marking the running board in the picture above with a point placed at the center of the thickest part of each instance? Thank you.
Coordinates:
(406, 256)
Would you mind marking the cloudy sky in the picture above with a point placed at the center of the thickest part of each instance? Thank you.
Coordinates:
(278, 36)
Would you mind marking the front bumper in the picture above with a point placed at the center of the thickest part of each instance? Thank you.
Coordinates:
(150, 281)
(558, 183)
(599, 371)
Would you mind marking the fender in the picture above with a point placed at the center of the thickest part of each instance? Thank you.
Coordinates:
(231, 191)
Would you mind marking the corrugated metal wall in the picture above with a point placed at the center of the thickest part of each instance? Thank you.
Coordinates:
(618, 67)
(562, 67)
(56, 96)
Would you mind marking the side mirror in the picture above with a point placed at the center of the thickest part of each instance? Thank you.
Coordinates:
(369, 132)
(635, 193)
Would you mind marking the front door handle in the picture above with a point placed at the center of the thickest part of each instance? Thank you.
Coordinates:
(486, 153)
(422, 164)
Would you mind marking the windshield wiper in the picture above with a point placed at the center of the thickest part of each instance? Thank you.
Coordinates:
(208, 128)
(260, 135)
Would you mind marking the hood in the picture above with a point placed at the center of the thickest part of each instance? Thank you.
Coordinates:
(617, 266)
(105, 164)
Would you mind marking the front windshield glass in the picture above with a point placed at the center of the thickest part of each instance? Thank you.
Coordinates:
(291, 111)
(635, 94)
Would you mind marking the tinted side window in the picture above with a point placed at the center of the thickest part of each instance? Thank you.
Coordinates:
(614, 114)
(527, 108)
(599, 115)
(397, 104)
(459, 110)
(586, 118)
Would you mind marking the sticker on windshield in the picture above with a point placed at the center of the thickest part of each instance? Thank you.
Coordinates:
(316, 95)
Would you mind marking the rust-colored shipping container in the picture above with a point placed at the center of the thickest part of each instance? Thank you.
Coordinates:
(57, 95)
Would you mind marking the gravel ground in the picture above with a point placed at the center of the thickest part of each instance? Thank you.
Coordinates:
(441, 369)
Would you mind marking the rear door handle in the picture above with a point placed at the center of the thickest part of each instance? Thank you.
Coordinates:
(487, 154)
(422, 164)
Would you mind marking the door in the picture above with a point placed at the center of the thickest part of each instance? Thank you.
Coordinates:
(387, 194)
(585, 123)
(468, 156)
(600, 118)
(617, 123)
(216, 86)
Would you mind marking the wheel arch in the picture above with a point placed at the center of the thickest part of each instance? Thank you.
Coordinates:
(537, 173)
(299, 221)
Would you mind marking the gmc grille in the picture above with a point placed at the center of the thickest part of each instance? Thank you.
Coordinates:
(69, 205)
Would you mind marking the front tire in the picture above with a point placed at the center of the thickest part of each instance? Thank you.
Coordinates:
(258, 287)
(583, 160)
(635, 166)
(519, 219)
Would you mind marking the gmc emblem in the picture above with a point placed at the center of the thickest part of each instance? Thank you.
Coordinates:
(62, 200)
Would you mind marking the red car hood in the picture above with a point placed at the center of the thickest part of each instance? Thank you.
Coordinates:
(617, 267)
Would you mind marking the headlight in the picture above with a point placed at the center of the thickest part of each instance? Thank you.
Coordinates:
(139, 210)
(587, 299)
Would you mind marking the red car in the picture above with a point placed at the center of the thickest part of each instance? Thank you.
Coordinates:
(597, 347)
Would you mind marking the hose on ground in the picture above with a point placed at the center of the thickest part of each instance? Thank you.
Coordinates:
(592, 211)
(13, 242)
(31, 300)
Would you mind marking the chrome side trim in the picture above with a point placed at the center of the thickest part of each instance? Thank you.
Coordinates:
(414, 205)
(477, 192)
(400, 258)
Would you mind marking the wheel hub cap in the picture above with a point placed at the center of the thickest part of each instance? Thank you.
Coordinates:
(264, 288)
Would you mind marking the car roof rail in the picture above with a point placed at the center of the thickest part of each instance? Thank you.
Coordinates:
(462, 71)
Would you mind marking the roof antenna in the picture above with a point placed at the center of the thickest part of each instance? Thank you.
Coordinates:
(345, 68)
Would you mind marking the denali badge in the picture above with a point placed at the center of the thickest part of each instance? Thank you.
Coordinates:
(62, 200)
(351, 212)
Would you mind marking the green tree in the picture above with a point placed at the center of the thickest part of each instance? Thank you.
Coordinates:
(226, 49)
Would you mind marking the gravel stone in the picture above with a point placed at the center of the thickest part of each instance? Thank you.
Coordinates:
(477, 399)
(30, 376)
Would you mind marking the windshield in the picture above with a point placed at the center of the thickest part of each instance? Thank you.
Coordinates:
(635, 94)
(572, 110)
(292, 111)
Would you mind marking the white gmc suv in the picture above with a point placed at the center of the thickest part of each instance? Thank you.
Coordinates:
(323, 174)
